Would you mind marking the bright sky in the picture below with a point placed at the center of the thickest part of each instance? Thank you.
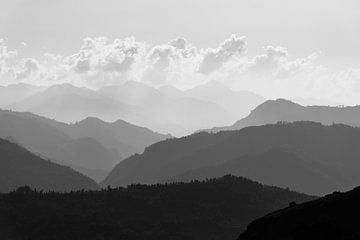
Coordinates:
(328, 28)
(303, 26)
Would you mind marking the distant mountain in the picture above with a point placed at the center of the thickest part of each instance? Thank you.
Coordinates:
(42, 138)
(134, 93)
(239, 103)
(132, 102)
(172, 92)
(164, 111)
(68, 103)
(90, 144)
(216, 209)
(281, 166)
(323, 147)
(17, 92)
(273, 111)
(19, 167)
(335, 216)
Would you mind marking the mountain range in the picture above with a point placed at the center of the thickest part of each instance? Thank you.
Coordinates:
(165, 110)
(273, 111)
(91, 146)
(292, 152)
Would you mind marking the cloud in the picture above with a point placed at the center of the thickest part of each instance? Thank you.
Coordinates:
(166, 63)
(275, 63)
(27, 67)
(5, 55)
(98, 55)
(99, 62)
(214, 58)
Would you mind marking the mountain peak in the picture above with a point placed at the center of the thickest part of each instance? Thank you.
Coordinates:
(92, 120)
(278, 104)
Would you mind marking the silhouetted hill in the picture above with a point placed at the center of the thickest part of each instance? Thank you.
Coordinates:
(144, 168)
(273, 111)
(19, 167)
(335, 216)
(90, 144)
(281, 166)
(213, 209)
(335, 146)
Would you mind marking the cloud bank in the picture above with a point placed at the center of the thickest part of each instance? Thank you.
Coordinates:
(100, 62)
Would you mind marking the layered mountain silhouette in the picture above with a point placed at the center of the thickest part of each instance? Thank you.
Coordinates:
(335, 216)
(318, 151)
(273, 111)
(19, 167)
(87, 146)
(213, 209)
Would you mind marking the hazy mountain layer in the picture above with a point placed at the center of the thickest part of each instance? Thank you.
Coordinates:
(273, 111)
(239, 103)
(166, 110)
(17, 92)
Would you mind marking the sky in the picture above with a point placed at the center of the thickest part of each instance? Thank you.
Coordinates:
(277, 48)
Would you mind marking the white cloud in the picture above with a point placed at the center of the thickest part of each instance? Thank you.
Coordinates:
(214, 58)
(100, 62)
(5, 55)
(27, 67)
(275, 63)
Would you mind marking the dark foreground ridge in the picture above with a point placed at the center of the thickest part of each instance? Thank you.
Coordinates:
(212, 209)
(335, 216)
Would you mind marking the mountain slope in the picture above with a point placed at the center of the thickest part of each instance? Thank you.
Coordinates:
(273, 111)
(126, 138)
(214, 209)
(19, 167)
(39, 137)
(144, 168)
(335, 216)
(336, 145)
(91, 144)
(280, 166)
